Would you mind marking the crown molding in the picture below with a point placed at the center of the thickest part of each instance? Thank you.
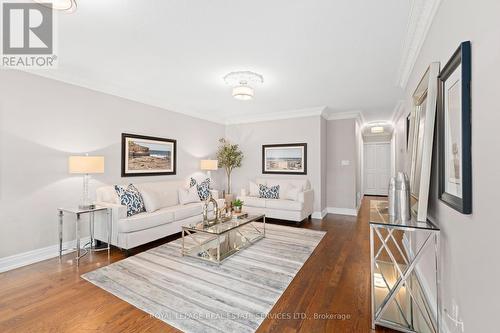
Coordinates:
(379, 135)
(150, 101)
(358, 115)
(121, 92)
(254, 118)
(422, 13)
(133, 96)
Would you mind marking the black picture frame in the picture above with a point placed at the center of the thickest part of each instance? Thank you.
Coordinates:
(461, 60)
(303, 146)
(407, 130)
(125, 172)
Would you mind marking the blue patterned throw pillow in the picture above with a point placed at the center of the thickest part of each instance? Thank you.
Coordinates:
(271, 192)
(203, 188)
(131, 198)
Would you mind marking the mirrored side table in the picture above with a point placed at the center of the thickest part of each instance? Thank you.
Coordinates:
(90, 246)
(400, 251)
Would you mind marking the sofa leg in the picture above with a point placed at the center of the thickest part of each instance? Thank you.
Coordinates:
(310, 217)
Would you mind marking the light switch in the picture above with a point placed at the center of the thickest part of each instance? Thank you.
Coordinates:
(345, 162)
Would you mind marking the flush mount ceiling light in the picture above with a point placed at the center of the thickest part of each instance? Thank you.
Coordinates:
(62, 5)
(377, 129)
(244, 93)
(243, 83)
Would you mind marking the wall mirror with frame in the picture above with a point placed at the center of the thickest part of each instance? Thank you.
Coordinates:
(421, 136)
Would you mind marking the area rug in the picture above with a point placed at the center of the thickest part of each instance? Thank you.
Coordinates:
(196, 296)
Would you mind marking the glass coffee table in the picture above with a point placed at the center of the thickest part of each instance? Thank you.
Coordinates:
(218, 240)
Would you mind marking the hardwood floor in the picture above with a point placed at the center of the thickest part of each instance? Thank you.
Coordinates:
(333, 284)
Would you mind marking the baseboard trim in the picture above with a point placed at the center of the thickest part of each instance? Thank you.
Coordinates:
(34, 256)
(342, 211)
(319, 215)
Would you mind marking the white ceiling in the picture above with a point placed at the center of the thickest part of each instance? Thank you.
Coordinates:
(342, 54)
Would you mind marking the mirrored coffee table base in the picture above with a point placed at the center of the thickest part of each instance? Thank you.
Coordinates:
(218, 241)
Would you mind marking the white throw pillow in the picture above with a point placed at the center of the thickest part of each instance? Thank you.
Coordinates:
(253, 189)
(152, 200)
(292, 193)
(188, 195)
(284, 187)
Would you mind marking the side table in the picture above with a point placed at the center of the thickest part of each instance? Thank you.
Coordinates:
(78, 213)
(401, 300)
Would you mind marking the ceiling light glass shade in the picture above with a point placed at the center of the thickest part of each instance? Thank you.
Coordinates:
(244, 93)
(63, 5)
(377, 129)
(243, 83)
(243, 78)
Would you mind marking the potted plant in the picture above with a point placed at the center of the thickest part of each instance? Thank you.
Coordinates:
(229, 157)
(237, 205)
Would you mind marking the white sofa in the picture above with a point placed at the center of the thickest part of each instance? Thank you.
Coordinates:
(129, 232)
(297, 209)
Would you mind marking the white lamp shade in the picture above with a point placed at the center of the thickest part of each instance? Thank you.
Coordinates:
(209, 165)
(243, 93)
(86, 164)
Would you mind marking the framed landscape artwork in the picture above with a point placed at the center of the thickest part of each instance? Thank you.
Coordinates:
(454, 131)
(288, 159)
(148, 156)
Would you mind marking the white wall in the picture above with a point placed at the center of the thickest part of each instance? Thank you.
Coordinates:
(329, 142)
(43, 121)
(341, 180)
(324, 165)
(252, 136)
(470, 245)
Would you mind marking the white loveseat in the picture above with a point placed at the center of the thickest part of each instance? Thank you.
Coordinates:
(129, 232)
(296, 207)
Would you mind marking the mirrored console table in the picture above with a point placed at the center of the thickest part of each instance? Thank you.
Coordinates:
(400, 252)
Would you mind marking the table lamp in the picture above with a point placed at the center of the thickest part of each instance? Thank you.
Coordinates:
(86, 165)
(209, 165)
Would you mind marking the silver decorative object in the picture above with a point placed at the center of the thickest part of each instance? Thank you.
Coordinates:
(392, 198)
(217, 213)
(399, 197)
(403, 196)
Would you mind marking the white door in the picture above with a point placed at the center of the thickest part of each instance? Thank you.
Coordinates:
(377, 167)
